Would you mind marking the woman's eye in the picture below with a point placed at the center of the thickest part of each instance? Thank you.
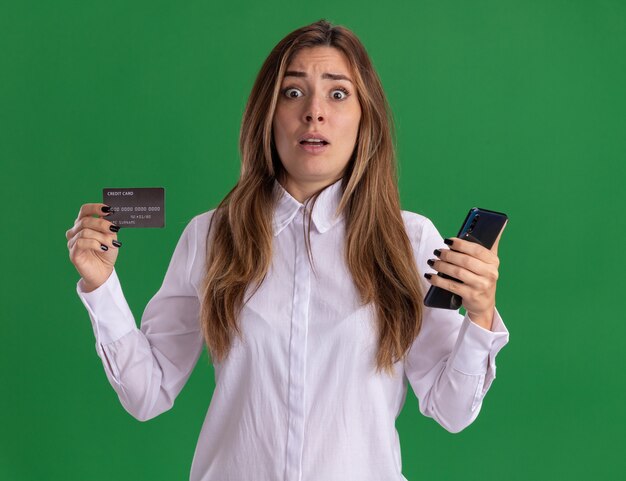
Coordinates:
(292, 93)
(339, 94)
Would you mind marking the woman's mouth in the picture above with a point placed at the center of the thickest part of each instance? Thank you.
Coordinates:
(314, 146)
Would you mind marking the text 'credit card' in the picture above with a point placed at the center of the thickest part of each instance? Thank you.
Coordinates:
(136, 207)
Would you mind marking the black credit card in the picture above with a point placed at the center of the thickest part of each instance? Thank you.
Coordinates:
(136, 207)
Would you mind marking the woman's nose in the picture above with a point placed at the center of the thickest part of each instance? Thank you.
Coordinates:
(314, 111)
(309, 118)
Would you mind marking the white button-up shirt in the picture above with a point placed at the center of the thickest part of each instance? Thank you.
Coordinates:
(298, 399)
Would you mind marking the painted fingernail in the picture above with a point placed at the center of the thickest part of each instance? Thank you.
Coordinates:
(114, 228)
(430, 262)
(427, 275)
(106, 208)
(103, 247)
(437, 252)
(116, 243)
(448, 241)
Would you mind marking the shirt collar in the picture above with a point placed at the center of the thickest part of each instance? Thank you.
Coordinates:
(323, 212)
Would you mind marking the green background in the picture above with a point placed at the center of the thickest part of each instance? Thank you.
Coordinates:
(512, 106)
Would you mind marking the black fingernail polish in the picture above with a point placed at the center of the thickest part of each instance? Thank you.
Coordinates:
(430, 262)
(114, 227)
(428, 276)
(437, 252)
(106, 208)
(448, 241)
(103, 247)
(116, 243)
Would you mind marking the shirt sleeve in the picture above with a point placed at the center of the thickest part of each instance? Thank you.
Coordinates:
(452, 361)
(147, 367)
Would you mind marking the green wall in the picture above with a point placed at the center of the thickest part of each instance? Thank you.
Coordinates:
(512, 106)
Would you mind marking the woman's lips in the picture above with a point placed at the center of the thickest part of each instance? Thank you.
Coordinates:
(313, 148)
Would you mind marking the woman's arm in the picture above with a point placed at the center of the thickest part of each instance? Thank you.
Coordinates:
(148, 367)
(451, 363)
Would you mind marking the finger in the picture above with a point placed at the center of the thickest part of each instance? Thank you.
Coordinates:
(472, 248)
(448, 284)
(466, 261)
(494, 247)
(106, 239)
(467, 277)
(92, 209)
(99, 224)
(80, 244)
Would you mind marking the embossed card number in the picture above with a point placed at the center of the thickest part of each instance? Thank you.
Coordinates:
(136, 207)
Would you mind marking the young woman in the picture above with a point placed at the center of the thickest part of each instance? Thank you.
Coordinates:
(305, 285)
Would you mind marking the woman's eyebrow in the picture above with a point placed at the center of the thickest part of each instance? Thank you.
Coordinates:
(331, 76)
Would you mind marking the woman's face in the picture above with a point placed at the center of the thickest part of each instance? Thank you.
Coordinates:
(317, 119)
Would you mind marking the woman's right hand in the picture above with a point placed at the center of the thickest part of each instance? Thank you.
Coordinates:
(91, 245)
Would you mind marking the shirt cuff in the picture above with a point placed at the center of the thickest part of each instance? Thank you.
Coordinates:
(477, 347)
(110, 315)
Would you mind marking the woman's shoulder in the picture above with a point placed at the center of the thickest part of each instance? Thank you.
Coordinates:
(195, 226)
(416, 223)
(203, 218)
(422, 233)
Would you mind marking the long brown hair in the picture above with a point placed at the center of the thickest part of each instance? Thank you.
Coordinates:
(377, 250)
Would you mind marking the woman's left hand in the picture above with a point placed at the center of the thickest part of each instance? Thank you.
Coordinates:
(477, 268)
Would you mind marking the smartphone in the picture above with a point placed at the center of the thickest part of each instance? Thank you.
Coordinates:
(481, 226)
